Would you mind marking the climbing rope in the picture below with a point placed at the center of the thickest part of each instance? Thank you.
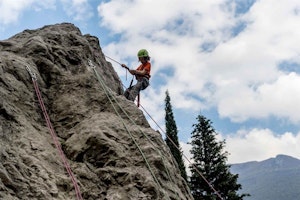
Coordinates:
(52, 132)
(118, 63)
(111, 98)
(113, 60)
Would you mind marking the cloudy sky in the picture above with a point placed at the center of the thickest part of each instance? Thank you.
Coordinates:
(234, 61)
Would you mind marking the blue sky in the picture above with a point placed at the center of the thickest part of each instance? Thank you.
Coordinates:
(234, 61)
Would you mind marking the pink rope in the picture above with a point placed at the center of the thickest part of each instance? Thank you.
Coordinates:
(56, 142)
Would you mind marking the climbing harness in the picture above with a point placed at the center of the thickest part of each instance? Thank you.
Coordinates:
(53, 134)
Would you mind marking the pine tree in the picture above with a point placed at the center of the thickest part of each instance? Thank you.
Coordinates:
(171, 132)
(210, 160)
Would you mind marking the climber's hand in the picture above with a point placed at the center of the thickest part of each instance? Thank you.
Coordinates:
(132, 71)
(123, 65)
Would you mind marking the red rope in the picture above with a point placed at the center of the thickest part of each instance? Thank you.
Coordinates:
(56, 142)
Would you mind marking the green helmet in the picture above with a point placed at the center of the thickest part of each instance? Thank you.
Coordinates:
(143, 53)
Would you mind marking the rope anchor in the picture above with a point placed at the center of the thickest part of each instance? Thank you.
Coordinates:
(32, 74)
(91, 64)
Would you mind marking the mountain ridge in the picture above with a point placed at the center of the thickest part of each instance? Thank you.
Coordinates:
(271, 179)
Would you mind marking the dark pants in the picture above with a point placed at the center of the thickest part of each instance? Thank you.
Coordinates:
(134, 90)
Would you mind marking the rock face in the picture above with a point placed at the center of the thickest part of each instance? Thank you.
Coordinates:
(110, 147)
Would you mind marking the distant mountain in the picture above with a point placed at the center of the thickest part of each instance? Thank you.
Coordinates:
(272, 179)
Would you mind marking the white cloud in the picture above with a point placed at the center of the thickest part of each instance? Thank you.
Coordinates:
(278, 98)
(10, 11)
(79, 10)
(239, 77)
(170, 44)
(187, 156)
(255, 145)
(154, 106)
(260, 144)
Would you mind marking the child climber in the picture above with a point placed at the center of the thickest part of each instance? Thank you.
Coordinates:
(142, 75)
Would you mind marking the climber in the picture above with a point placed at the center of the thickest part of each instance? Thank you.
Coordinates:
(142, 75)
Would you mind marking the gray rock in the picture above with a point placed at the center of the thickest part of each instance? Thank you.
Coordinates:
(109, 145)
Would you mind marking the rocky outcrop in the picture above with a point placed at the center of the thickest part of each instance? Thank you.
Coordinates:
(109, 145)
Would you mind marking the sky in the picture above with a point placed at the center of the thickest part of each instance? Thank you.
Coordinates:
(234, 61)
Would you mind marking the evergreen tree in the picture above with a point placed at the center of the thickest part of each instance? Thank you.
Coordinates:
(210, 160)
(171, 132)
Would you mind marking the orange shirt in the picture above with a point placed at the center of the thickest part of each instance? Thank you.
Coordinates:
(146, 67)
